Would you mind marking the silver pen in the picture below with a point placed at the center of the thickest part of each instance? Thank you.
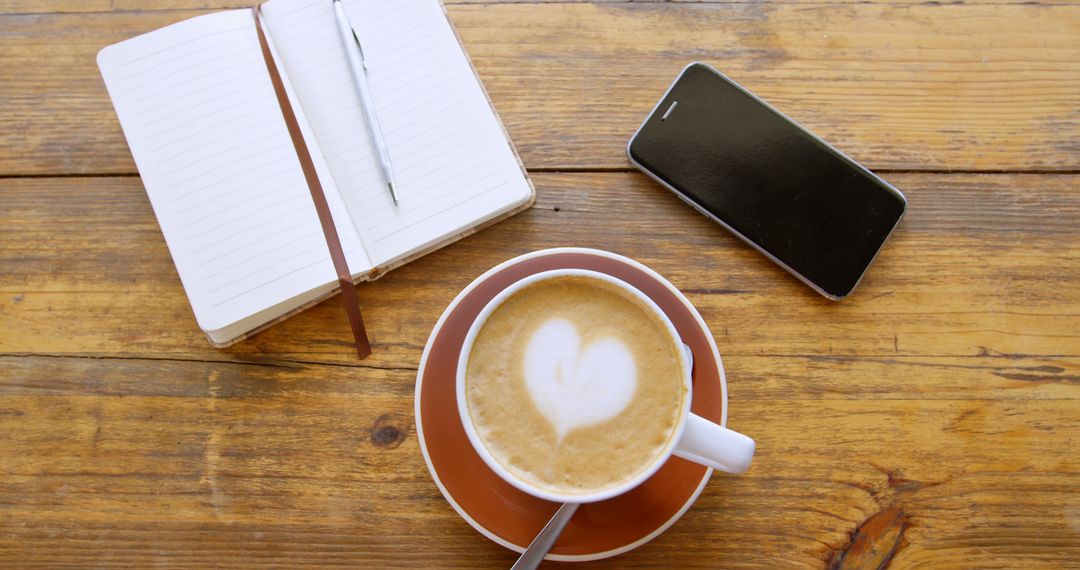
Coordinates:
(355, 54)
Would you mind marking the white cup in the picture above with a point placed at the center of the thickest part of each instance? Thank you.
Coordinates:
(695, 438)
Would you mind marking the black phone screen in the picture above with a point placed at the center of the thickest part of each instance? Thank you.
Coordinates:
(816, 211)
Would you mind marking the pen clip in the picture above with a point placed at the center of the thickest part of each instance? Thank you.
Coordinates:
(363, 58)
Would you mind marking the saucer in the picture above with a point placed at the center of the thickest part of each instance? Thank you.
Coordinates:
(511, 517)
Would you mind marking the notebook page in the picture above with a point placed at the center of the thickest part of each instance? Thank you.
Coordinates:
(355, 256)
(452, 164)
(205, 129)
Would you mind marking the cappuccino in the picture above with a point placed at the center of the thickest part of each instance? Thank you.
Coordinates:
(574, 385)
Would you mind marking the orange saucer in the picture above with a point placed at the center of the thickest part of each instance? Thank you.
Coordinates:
(511, 517)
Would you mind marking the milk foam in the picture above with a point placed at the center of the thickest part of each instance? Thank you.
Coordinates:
(575, 385)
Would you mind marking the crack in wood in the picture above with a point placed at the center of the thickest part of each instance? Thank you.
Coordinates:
(289, 364)
(715, 291)
(1040, 378)
(874, 543)
(898, 484)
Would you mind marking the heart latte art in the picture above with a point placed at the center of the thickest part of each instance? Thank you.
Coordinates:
(574, 385)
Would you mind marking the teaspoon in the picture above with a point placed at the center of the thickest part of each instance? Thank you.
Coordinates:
(543, 542)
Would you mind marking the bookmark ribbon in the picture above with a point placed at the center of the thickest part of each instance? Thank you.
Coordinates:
(333, 243)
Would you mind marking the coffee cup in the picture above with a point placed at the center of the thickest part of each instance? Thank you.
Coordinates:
(574, 386)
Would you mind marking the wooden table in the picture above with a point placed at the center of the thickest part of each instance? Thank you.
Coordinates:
(933, 419)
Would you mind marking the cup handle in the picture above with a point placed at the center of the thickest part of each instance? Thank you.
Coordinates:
(715, 446)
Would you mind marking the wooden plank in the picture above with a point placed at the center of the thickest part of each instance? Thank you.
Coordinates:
(138, 463)
(982, 265)
(83, 6)
(924, 87)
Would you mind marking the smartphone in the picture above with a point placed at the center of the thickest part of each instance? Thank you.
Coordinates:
(815, 212)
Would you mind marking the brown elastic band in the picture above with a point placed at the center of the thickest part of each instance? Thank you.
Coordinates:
(348, 292)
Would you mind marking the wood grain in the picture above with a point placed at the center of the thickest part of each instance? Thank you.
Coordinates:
(140, 463)
(909, 87)
(930, 420)
(83, 6)
(981, 265)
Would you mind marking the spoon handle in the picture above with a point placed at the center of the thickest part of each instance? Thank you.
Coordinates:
(543, 542)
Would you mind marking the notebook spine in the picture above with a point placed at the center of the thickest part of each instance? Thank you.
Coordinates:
(379, 272)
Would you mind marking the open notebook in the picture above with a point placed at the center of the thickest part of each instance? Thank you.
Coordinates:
(201, 117)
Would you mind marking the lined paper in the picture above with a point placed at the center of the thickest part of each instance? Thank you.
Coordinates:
(206, 131)
(208, 136)
(452, 164)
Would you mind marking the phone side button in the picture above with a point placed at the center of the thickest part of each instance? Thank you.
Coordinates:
(697, 207)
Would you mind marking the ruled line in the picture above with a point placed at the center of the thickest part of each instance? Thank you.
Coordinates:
(444, 143)
(220, 168)
(181, 44)
(271, 281)
(420, 221)
(260, 240)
